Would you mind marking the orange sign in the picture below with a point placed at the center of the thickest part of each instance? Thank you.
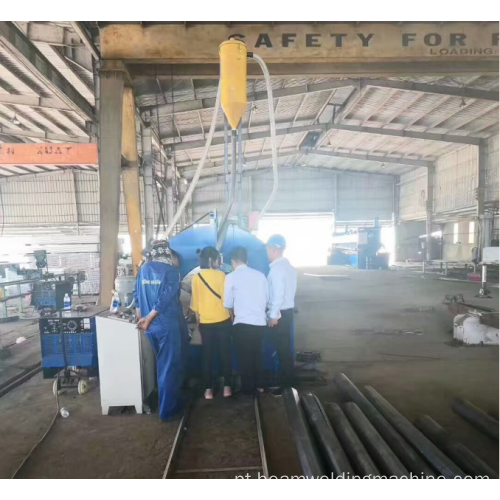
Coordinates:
(48, 154)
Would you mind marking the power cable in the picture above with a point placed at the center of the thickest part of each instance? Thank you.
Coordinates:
(40, 441)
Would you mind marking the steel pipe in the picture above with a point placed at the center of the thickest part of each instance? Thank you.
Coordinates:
(307, 452)
(476, 417)
(363, 464)
(408, 456)
(388, 462)
(328, 442)
(426, 448)
(462, 456)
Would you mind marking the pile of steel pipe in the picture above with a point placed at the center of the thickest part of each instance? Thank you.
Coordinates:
(367, 437)
(462, 456)
(408, 456)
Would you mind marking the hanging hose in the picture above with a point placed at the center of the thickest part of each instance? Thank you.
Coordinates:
(272, 125)
(197, 174)
(232, 192)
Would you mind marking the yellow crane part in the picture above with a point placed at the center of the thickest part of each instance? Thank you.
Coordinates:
(233, 80)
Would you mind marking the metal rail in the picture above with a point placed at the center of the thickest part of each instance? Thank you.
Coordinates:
(170, 469)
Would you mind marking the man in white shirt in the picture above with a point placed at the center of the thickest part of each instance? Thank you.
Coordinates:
(282, 280)
(246, 293)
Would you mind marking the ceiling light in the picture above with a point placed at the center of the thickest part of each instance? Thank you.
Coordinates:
(15, 121)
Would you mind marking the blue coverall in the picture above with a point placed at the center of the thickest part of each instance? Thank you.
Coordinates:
(158, 287)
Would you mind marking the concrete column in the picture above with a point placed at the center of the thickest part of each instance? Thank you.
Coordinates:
(130, 177)
(429, 206)
(147, 165)
(112, 75)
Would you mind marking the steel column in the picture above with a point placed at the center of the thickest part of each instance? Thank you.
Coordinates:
(110, 137)
(481, 177)
(429, 207)
(170, 191)
(130, 177)
(147, 165)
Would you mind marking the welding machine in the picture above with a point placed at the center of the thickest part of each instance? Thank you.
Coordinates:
(68, 342)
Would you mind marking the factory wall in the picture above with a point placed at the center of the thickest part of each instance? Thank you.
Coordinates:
(455, 183)
(65, 199)
(458, 240)
(212, 195)
(353, 197)
(364, 197)
(298, 191)
(413, 195)
(408, 243)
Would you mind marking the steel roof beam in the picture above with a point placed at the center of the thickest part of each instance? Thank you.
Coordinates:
(210, 179)
(458, 139)
(32, 134)
(33, 101)
(322, 70)
(247, 159)
(199, 104)
(381, 159)
(465, 92)
(333, 126)
(246, 137)
(25, 51)
(86, 38)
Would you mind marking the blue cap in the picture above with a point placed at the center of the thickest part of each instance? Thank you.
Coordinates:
(276, 241)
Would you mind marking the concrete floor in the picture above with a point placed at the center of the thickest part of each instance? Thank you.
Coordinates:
(361, 329)
(359, 326)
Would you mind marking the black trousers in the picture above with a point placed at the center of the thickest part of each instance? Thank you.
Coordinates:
(248, 341)
(216, 339)
(280, 335)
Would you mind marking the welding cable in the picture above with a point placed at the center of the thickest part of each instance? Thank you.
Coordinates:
(42, 438)
(197, 174)
(272, 125)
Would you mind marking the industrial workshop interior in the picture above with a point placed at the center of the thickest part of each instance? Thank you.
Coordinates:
(249, 249)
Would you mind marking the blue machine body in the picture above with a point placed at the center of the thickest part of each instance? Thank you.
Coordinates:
(78, 339)
(188, 242)
(359, 249)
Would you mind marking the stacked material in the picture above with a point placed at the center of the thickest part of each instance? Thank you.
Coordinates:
(366, 437)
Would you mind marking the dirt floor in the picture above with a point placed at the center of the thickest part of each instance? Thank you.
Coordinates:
(361, 325)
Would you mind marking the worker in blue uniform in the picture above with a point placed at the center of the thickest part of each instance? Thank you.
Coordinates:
(157, 303)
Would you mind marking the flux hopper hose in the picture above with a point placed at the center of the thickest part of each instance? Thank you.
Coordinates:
(194, 181)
